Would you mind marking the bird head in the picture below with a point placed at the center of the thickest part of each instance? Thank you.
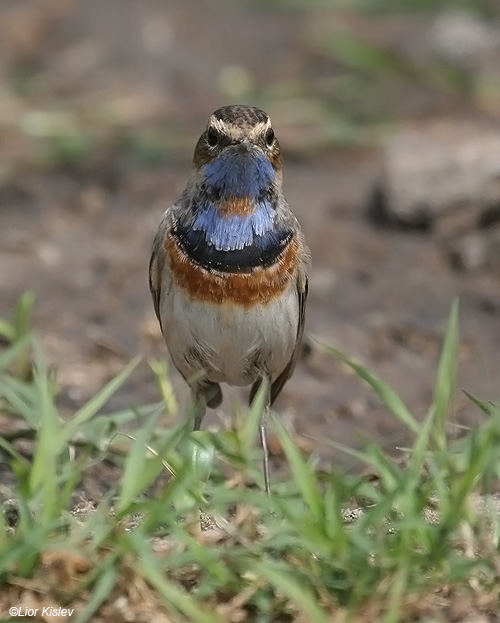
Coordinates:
(238, 154)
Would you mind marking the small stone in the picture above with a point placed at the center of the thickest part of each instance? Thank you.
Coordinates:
(440, 172)
(11, 513)
(463, 38)
(469, 253)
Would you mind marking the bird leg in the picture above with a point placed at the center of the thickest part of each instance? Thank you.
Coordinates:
(263, 438)
(199, 401)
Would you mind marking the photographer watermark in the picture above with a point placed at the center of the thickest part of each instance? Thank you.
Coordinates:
(48, 611)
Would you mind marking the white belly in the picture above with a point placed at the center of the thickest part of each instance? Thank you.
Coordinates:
(229, 343)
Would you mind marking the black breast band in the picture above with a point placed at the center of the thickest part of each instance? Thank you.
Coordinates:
(263, 252)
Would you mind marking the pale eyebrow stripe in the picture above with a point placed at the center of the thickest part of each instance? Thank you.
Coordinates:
(234, 131)
(218, 124)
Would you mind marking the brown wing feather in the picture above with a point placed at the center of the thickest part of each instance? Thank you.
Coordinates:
(156, 265)
(277, 386)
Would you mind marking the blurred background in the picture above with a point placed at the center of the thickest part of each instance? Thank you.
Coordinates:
(388, 113)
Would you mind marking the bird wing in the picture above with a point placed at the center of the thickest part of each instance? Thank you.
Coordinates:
(277, 385)
(156, 267)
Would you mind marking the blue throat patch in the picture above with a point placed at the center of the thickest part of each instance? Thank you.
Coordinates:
(239, 174)
(228, 233)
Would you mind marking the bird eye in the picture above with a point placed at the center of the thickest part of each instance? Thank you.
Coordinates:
(270, 137)
(212, 137)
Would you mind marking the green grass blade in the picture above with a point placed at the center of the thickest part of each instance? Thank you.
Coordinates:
(21, 398)
(446, 377)
(280, 577)
(43, 473)
(302, 473)
(160, 369)
(92, 407)
(396, 595)
(14, 352)
(386, 395)
(173, 596)
(22, 314)
(253, 419)
(7, 330)
(199, 450)
(489, 409)
(101, 592)
(140, 468)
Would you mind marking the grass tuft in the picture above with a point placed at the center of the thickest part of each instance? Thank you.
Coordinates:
(188, 534)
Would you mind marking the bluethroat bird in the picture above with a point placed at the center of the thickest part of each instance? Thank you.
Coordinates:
(228, 270)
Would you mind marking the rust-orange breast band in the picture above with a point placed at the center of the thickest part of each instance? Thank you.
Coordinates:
(259, 286)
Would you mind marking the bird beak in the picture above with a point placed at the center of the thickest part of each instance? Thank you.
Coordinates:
(244, 146)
